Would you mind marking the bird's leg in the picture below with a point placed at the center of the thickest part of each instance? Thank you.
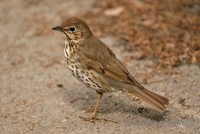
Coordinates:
(99, 96)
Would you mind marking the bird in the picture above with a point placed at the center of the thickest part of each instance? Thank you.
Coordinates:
(93, 63)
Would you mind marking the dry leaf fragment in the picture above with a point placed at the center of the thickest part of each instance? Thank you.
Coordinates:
(114, 11)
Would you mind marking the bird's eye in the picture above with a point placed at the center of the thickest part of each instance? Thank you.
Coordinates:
(72, 29)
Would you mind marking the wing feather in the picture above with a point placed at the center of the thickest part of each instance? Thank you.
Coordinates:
(102, 60)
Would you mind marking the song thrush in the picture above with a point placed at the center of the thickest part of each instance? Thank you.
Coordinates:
(94, 64)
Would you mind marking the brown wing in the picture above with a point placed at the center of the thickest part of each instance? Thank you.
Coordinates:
(100, 58)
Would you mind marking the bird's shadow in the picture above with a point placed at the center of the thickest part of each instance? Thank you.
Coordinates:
(85, 99)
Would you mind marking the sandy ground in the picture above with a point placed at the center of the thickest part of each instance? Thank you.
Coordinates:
(39, 95)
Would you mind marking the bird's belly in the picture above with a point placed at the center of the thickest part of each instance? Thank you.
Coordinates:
(84, 76)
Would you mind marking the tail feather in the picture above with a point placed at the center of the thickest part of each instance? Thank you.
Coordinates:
(156, 101)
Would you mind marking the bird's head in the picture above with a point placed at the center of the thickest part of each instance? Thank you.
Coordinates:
(74, 29)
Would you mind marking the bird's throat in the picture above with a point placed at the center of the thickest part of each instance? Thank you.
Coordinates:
(71, 47)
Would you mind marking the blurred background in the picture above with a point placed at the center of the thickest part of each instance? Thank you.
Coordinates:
(167, 32)
(158, 40)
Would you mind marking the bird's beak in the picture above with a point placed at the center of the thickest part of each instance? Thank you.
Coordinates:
(58, 28)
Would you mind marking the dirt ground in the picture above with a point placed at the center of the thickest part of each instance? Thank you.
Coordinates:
(39, 95)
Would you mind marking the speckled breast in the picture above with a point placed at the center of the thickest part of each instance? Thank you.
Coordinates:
(78, 71)
(83, 75)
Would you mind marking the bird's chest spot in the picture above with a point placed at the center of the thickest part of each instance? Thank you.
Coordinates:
(83, 75)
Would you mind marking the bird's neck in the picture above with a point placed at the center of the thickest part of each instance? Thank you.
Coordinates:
(71, 47)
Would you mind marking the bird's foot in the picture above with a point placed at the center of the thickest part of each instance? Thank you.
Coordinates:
(93, 118)
(90, 118)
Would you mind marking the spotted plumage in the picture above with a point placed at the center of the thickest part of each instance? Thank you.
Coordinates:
(94, 64)
(77, 69)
